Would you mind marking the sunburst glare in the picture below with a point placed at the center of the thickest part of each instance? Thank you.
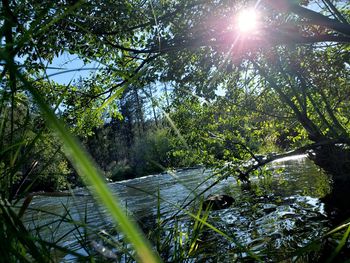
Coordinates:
(247, 20)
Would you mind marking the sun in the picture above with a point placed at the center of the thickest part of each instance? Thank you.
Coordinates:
(247, 21)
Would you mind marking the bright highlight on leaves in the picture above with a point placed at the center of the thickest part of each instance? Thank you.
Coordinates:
(247, 20)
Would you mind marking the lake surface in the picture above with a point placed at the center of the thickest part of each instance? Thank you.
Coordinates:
(281, 212)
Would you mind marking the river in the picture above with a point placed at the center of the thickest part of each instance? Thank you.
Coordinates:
(280, 213)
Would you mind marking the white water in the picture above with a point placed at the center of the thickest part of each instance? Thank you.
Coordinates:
(289, 200)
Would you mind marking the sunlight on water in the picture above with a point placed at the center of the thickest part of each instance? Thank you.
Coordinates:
(275, 214)
(291, 158)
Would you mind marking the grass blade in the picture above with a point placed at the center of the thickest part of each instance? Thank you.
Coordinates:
(341, 244)
(92, 176)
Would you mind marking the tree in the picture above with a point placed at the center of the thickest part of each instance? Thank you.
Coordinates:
(195, 46)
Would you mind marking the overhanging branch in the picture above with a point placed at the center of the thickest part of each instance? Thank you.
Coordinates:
(297, 151)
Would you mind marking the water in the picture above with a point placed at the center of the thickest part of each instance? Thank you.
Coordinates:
(281, 211)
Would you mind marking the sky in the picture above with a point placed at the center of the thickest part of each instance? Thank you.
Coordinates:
(67, 68)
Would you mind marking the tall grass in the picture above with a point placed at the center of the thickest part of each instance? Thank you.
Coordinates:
(17, 244)
(91, 175)
(78, 157)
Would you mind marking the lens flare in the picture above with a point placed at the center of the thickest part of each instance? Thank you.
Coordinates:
(247, 21)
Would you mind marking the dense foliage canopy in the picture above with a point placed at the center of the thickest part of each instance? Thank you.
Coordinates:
(176, 83)
(220, 93)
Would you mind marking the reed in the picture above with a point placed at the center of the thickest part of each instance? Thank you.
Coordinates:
(173, 240)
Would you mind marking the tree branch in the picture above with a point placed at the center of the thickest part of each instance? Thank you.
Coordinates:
(297, 151)
(315, 17)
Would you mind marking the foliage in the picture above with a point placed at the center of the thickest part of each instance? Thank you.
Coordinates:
(31, 155)
(149, 154)
(285, 85)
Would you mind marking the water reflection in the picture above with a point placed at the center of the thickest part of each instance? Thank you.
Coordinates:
(281, 211)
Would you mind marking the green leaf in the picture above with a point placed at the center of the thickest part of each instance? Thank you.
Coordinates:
(86, 168)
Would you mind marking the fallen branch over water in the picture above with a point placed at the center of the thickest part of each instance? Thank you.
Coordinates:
(259, 162)
(301, 150)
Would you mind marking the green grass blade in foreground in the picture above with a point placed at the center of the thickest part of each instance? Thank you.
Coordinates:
(204, 222)
(91, 175)
(341, 244)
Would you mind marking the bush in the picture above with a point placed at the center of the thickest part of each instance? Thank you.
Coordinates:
(121, 171)
(150, 153)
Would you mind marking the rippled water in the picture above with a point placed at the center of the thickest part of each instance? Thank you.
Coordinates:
(279, 213)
